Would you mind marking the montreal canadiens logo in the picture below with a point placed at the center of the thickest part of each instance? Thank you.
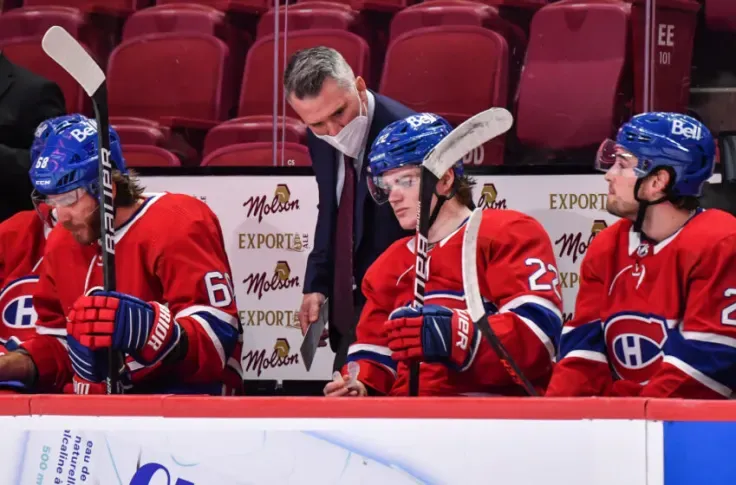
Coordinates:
(634, 342)
(16, 304)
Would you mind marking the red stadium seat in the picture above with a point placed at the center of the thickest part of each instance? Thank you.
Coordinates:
(258, 155)
(148, 156)
(241, 6)
(254, 129)
(456, 12)
(27, 52)
(115, 7)
(256, 95)
(131, 134)
(306, 17)
(455, 71)
(178, 75)
(570, 92)
(35, 21)
(388, 6)
(721, 15)
(195, 19)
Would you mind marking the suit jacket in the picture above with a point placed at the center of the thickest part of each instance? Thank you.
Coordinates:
(375, 227)
(26, 100)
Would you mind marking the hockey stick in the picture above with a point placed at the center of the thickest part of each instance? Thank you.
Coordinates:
(474, 302)
(468, 136)
(60, 46)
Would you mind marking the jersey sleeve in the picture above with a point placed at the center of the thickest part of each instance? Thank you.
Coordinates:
(370, 349)
(194, 272)
(48, 347)
(700, 352)
(583, 368)
(518, 265)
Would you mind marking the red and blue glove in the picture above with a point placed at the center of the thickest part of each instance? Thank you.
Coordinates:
(145, 331)
(433, 334)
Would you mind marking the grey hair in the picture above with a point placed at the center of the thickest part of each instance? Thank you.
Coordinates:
(308, 69)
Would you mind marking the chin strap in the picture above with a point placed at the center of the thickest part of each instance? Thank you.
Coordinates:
(644, 204)
(441, 199)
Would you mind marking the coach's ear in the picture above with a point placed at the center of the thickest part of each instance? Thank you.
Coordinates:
(444, 185)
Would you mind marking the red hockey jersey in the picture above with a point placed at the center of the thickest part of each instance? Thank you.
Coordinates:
(519, 282)
(22, 242)
(171, 251)
(654, 320)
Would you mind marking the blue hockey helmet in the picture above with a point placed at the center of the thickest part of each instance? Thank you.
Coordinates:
(49, 126)
(673, 140)
(405, 142)
(69, 159)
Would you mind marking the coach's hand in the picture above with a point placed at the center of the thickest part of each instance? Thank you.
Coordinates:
(145, 331)
(432, 334)
(309, 312)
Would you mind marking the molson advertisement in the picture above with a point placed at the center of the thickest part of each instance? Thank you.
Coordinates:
(269, 221)
(268, 224)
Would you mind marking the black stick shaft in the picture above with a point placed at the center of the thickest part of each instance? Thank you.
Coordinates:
(107, 216)
(427, 184)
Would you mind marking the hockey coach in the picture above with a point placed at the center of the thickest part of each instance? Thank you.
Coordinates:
(343, 117)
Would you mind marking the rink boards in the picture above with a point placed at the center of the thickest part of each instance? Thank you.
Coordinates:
(225, 441)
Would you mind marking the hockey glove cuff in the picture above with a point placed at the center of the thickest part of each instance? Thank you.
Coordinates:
(433, 334)
(145, 331)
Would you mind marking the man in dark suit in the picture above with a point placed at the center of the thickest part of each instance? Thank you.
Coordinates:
(26, 100)
(344, 118)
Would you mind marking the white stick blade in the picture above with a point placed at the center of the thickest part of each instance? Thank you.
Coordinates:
(473, 298)
(59, 45)
(468, 136)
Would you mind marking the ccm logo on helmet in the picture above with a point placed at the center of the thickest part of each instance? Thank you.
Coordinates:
(81, 135)
(679, 127)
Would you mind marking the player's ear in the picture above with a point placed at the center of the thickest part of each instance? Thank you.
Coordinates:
(444, 185)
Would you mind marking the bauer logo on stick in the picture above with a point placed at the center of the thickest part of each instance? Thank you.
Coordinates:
(108, 201)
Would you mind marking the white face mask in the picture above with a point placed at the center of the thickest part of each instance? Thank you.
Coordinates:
(350, 139)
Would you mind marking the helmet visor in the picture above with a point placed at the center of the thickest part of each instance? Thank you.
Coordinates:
(614, 158)
(380, 186)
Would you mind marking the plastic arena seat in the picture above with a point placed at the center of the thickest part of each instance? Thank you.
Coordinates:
(149, 156)
(388, 6)
(240, 6)
(252, 129)
(115, 7)
(721, 15)
(306, 16)
(570, 91)
(174, 75)
(134, 131)
(27, 52)
(259, 155)
(257, 90)
(434, 69)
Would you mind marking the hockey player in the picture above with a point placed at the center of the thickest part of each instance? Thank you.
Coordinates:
(173, 313)
(518, 279)
(655, 313)
(22, 242)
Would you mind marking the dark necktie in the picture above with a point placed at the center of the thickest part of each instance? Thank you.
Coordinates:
(342, 292)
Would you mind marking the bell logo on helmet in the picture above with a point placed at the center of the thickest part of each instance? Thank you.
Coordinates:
(81, 135)
(679, 127)
(422, 119)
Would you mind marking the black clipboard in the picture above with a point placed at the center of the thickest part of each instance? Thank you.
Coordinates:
(311, 340)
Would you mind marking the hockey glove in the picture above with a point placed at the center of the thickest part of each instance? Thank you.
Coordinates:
(145, 331)
(433, 334)
(90, 367)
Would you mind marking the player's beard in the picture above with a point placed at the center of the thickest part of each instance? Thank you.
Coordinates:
(621, 208)
(89, 231)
